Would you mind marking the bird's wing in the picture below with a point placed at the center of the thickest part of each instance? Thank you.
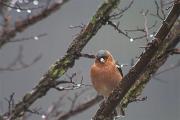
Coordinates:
(119, 68)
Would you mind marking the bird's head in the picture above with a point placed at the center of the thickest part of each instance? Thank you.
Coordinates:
(104, 56)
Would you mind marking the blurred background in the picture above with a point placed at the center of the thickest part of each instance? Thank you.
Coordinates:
(163, 91)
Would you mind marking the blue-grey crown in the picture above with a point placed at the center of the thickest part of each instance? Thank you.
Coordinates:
(101, 54)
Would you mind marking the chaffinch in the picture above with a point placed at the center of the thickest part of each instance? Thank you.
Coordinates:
(105, 74)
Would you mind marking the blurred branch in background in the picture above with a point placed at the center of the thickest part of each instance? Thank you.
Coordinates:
(36, 37)
(11, 105)
(13, 66)
(56, 111)
(6, 33)
(80, 108)
(8, 5)
(171, 67)
(160, 11)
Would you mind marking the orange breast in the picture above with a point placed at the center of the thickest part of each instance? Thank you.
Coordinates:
(105, 78)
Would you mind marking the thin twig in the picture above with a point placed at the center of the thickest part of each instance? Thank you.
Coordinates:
(118, 14)
(117, 29)
(19, 59)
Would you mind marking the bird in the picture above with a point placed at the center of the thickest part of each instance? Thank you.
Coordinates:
(105, 75)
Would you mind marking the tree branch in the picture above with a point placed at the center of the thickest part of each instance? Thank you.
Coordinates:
(153, 57)
(63, 64)
(20, 26)
(80, 108)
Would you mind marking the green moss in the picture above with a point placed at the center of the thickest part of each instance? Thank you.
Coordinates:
(54, 73)
(66, 61)
(62, 71)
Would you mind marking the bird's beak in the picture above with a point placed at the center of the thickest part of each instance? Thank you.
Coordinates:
(102, 60)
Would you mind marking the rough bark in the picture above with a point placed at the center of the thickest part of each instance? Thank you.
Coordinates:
(153, 57)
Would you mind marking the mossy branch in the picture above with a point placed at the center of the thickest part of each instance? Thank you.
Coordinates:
(153, 57)
(48, 80)
(157, 61)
